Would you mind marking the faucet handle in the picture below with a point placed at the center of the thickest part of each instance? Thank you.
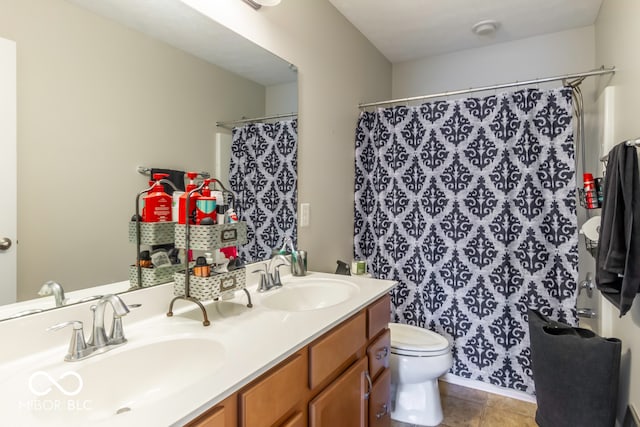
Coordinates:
(78, 346)
(264, 279)
(77, 325)
(277, 282)
(116, 336)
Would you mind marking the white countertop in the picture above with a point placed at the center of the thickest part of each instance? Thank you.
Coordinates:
(245, 342)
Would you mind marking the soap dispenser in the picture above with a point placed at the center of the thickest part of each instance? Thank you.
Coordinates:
(192, 201)
(157, 203)
(206, 205)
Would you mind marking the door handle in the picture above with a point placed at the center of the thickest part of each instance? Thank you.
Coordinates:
(5, 243)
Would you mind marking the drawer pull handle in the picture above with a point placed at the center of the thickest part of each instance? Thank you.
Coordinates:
(384, 411)
(382, 354)
(368, 393)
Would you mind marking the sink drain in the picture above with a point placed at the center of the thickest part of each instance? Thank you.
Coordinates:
(123, 410)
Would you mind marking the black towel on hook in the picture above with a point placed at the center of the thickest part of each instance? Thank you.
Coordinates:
(618, 260)
(177, 177)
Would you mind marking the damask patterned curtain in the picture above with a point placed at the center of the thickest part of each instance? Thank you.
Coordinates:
(264, 178)
(470, 205)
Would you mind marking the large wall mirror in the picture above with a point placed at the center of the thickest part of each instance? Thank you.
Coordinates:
(106, 86)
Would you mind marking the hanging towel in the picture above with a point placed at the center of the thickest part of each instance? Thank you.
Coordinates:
(618, 261)
(177, 177)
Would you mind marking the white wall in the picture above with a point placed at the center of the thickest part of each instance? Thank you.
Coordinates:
(96, 99)
(281, 99)
(616, 44)
(526, 59)
(337, 69)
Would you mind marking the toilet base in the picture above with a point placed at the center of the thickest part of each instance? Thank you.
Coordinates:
(417, 403)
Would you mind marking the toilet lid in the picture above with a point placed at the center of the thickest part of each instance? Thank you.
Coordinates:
(415, 339)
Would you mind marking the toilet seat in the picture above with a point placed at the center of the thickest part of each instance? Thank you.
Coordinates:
(412, 341)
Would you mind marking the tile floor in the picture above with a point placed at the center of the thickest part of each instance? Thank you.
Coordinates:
(465, 407)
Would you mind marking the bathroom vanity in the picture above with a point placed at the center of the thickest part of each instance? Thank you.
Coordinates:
(341, 378)
(314, 352)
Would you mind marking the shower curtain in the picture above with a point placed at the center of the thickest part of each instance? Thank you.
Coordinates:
(470, 205)
(263, 175)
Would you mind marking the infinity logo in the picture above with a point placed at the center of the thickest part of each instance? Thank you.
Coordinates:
(55, 383)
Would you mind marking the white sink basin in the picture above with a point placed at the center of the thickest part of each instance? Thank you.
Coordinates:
(96, 389)
(309, 294)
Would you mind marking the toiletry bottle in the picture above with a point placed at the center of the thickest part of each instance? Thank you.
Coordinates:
(157, 203)
(192, 201)
(206, 204)
(590, 196)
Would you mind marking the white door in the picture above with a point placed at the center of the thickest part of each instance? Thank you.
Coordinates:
(8, 172)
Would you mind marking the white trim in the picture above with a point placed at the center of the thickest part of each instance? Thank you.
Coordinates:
(490, 388)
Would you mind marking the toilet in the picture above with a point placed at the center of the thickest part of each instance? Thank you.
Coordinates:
(418, 357)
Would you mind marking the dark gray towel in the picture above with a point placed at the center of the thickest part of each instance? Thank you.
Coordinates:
(618, 261)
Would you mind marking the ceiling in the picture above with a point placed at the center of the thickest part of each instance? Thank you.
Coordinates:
(411, 29)
(178, 25)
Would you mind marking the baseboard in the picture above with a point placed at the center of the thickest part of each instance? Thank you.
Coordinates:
(489, 388)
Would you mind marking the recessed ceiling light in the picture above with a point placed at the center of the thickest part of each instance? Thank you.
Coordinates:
(485, 28)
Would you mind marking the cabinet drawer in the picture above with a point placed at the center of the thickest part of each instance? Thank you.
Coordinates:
(378, 315)
(378, 354)
(264, 402)
(380, 401)
(336, 350)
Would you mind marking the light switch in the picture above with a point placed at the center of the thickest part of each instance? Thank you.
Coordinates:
(305, 212)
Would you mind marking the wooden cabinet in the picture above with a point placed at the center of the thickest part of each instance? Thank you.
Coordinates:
(378, 315)
(224, 414)
(274, 396)
(336, 350)
(378, 353)
(340, 379)
(380, 401)
(343, 402)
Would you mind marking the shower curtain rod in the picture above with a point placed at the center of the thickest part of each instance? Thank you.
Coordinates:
(599, 71)
(257, 119)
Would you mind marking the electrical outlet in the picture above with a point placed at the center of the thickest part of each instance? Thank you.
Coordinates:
(305, 214)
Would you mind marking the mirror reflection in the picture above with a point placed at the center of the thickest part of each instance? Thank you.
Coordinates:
(96, 99)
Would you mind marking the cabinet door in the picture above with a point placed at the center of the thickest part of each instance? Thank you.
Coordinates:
(221, 415)
(296, 420)
(343, 402)
(336, 350)
(270, 398)
(380, 401)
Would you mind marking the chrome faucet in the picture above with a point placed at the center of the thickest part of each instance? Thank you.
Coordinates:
(99, 335)
(99, 342)
(270, 275)
(55, 289)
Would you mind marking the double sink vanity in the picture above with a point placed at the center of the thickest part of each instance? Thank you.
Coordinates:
(313, 352)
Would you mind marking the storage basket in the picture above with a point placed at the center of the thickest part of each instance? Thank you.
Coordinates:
(212, 287)
(154, 276)
(153, 233)
(206, 237)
